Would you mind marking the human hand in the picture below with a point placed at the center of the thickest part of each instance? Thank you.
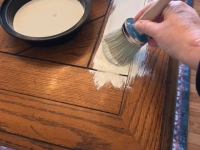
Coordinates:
(176, 31)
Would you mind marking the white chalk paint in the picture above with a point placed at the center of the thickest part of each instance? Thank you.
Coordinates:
(111, 74)
(41, 18)
(103, 78)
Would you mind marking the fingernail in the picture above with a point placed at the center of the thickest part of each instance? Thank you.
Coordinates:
(138, 22)
(137, 25)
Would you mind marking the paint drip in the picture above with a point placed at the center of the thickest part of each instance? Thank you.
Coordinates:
(120, 76)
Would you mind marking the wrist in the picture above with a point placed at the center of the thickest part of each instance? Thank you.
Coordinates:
(190, 57)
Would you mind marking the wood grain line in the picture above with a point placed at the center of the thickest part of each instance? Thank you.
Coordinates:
(158, 87)
(170, 101)
(24, 143)
(49, 82)
(193, 147)
(141, 95)
(142, 102)
(99, 8)
(193, 138)
(75, 52)
(100, 34)
(20, 112)
(49, 61)
(61, 114)
(60, 102)
(108, 13)
(194, 111)
(194, 127)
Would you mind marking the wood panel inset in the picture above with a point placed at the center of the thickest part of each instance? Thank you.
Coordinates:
(57, 82)
(151, 101)
(50, 105)
(64, 125)
(13, 45)
(22, 143)
(10, 44)
(148, 109)
(99, 8)
(76, 51)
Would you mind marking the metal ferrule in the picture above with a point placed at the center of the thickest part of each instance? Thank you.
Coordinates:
(130, 39)
(133, 36)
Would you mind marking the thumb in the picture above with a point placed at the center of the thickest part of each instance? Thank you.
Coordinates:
(147, 27)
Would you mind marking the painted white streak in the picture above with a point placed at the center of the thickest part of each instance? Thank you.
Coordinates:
(138, 66)
(108, 72)
(103, 78)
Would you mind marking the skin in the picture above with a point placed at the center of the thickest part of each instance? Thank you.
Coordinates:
(176, 31)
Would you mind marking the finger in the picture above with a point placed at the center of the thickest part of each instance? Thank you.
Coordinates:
(174, 7)
(148, 27)
(152, 43)
(159, 19)
(143, 10)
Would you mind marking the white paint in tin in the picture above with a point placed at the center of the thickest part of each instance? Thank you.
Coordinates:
(42, 18)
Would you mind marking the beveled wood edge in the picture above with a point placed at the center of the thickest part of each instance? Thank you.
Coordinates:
(7, 57)
(133, 104)
(29, 46)
(172, 74)
(171, 93)
(98, 42)
(24, 143)
(115, 124)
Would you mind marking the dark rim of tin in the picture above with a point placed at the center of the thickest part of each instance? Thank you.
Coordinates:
(9, 29)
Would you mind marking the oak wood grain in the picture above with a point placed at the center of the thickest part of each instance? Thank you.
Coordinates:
(57, 82)
(194, 111)
(10, 44)
(22, 143)
(195, 107)
(109, 12)
(193, 73)
(193, 138)
(194, 127)
(144, 110)
(99, 8)
(151, 100)
(194, 97)
(76, 51)
(194, 116)
(63, 125)
(196, 6)
(193, 87)
(193, 147)
(56, 105)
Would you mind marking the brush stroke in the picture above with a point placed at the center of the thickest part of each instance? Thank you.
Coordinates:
(123, 9)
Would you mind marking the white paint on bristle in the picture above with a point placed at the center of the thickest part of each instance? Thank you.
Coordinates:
(101, 63)
(108, 72)
(138, 66)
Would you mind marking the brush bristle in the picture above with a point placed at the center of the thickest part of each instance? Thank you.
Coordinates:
(118, 49)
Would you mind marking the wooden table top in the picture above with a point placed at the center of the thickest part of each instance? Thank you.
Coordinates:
(48, 99)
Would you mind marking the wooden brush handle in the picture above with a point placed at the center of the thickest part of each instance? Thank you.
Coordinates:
(152, 12)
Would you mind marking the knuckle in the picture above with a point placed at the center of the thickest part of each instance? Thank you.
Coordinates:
(175, 7)
(180, 4)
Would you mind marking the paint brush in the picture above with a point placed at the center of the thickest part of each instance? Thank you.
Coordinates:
(121, 45)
